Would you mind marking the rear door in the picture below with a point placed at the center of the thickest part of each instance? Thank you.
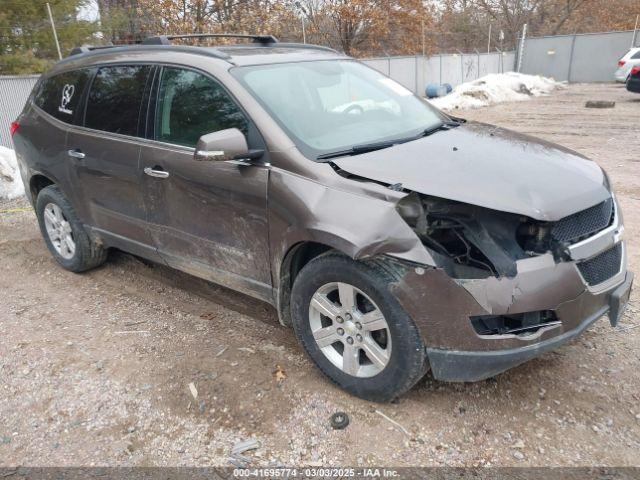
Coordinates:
(208, 218)
(106, 154)
(45, 136)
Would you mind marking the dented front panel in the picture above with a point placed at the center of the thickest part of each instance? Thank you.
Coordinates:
(442, 306)
(358, 220)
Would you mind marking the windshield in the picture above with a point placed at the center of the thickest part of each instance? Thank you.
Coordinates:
(333, 105)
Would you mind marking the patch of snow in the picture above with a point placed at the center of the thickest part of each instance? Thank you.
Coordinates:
(497, 88)
(10, 180)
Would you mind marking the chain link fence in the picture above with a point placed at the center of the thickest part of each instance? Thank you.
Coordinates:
(14, 91)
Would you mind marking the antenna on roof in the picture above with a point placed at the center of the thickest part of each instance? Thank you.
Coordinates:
(166, 39)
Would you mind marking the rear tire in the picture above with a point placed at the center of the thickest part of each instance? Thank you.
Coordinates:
(64, 234)
(390, 356)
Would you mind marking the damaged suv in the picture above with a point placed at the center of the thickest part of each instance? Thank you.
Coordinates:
(392, 237)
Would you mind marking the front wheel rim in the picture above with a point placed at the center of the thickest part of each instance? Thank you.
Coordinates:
(59, 231)
(350, 329)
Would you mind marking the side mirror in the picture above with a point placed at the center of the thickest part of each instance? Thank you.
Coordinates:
(224, 145)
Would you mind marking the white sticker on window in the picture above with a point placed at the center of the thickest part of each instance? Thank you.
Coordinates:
(67, 94)
(395, 86)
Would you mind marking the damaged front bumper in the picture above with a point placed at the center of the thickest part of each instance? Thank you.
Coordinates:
(576, 316)
(476, 328)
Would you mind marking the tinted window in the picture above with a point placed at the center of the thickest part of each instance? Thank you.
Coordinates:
(60, 95)
(191, 105)
(636, 55)
(115, 99)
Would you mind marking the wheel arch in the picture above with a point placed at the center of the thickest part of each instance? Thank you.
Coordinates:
(41, 179)
(37, 182)
(293, 261)
(302, 246)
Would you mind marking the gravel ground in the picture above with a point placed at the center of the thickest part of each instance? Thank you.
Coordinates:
(95, 368)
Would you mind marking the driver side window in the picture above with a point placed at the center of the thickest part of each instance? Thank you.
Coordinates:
(191, 105)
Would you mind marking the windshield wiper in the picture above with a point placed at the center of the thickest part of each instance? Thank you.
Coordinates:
(370, 147)
(443, 126)
(357, 149)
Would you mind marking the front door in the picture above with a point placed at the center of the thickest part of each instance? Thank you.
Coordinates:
(208, 218)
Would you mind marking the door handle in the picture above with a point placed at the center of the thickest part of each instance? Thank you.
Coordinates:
(156, 173)
(76, 154)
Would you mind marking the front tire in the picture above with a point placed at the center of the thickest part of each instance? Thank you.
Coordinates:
(354, 329)
(63, 233)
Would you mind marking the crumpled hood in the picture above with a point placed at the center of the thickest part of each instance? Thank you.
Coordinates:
(490, 167)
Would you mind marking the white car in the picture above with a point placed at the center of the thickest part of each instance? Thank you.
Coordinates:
(626, 63)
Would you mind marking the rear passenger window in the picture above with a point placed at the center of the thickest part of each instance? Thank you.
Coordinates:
(115, 99)
(636, 55)
(191, 105)
(60, 95)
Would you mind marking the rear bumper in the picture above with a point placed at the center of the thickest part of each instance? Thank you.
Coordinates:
(621, 75)
(470, 366)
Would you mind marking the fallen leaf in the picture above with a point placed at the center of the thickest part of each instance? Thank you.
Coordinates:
(279, 373)
(193, 390)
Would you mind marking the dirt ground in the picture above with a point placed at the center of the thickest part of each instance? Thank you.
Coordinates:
(95, 368)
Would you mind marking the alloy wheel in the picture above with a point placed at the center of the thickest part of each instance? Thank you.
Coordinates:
(350, 329)
(59, 231)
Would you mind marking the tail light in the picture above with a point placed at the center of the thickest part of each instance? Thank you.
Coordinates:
(621, 63)
(635, 70)
(13, 128)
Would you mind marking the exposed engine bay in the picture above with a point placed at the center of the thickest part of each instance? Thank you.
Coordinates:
(474, 242)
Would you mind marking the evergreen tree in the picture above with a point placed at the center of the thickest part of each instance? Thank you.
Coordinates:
(26, 39)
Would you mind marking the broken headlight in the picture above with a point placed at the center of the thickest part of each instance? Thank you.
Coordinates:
(534, 237)
(471, 241)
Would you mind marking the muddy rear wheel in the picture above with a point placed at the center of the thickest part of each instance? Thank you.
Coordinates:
(64, 234)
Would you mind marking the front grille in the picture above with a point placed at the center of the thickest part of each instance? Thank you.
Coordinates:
(583, 224)
(603, 266)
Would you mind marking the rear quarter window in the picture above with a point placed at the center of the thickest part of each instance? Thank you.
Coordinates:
(60, 94)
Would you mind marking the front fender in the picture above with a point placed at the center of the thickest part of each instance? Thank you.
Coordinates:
(360, 226)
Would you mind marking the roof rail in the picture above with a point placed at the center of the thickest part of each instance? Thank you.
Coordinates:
(212, 52)
(166, 39)
(308, 46)
(89, 48)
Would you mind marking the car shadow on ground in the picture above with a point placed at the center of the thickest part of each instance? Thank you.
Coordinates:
(208, 291)
(501, 386)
